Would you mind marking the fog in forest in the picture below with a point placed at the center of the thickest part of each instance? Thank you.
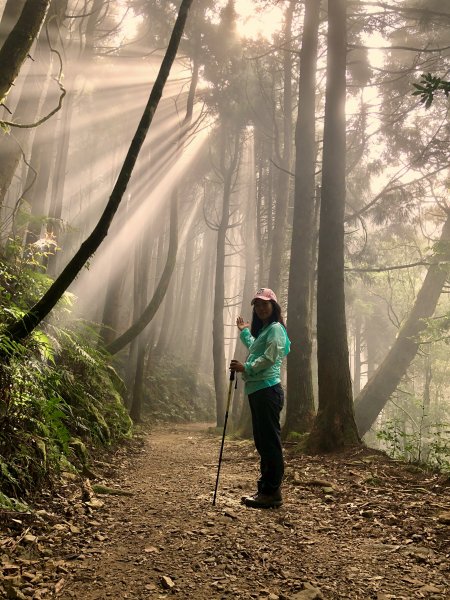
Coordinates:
(265, 165)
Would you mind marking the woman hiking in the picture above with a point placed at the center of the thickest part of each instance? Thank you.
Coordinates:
(268, 343)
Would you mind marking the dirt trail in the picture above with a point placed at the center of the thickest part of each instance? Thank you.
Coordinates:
(357, 526)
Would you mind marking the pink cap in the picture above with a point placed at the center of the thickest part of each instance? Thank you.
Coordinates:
(264, 294)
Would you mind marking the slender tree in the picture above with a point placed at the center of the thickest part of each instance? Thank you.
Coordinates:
(300, 395)
(283, 187)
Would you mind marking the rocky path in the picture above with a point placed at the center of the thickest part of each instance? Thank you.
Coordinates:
(355, 526)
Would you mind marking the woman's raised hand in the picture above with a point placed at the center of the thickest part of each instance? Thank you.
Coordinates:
(241, 324)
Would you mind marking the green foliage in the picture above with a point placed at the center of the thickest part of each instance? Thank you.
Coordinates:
(417, 446)
(174, 393)
(427, 88)
(54, 390)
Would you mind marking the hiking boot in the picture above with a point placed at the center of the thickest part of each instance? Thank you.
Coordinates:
(252, 497)
(264, 500)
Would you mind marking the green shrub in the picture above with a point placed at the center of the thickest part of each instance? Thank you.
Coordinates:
(55, 388)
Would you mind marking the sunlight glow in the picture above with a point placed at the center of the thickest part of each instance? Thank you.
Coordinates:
(253, 23)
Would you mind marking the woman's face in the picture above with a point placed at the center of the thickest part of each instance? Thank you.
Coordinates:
(263, 309)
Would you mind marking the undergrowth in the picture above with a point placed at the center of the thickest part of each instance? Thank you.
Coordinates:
(175, 393)
(57, 391)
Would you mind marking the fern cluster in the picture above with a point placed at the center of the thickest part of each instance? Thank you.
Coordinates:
(56, 392)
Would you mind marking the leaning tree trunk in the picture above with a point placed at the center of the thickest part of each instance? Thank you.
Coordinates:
(334, 427)
(161, 290)
(388, 375)
(300, 394)
(150, 310)
(279, 228)
(18, 43)
(27, 107)
(10, 16)
(21, 328)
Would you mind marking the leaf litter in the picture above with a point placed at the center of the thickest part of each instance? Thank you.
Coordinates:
(356, 525)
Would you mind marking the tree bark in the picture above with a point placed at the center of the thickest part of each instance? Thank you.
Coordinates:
(21, 328)
(18, 43)
(10, 16)
(388, 375)
(334, 427)
(300, 395)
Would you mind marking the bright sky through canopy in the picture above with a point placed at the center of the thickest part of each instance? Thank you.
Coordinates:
(254, 23)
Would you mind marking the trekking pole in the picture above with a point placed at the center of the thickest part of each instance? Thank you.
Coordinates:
(230, 390)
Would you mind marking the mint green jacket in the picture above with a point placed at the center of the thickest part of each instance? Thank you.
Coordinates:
(266, 352)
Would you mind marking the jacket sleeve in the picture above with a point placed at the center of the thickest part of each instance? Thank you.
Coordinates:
(273, 351)
(246, 337)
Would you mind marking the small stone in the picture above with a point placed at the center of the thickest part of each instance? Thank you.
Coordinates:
(430, 589)
(444, 518)
(30, 539)
(167, 582)
(309, 593)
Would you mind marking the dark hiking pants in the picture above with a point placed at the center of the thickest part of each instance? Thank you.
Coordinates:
(266, 405)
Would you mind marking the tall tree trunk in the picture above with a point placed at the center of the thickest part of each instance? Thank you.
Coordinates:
(138, 387)
(280, 221)
(245, 422)
(300, 394)
(228, 173)
(388, 375)
(202, 338)
(56, 204)
(357, 356)
(178, 338)
(334, 427)
(141, 282)
(21, 328)
(19, 41)
(259, 220)
(57, 196)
